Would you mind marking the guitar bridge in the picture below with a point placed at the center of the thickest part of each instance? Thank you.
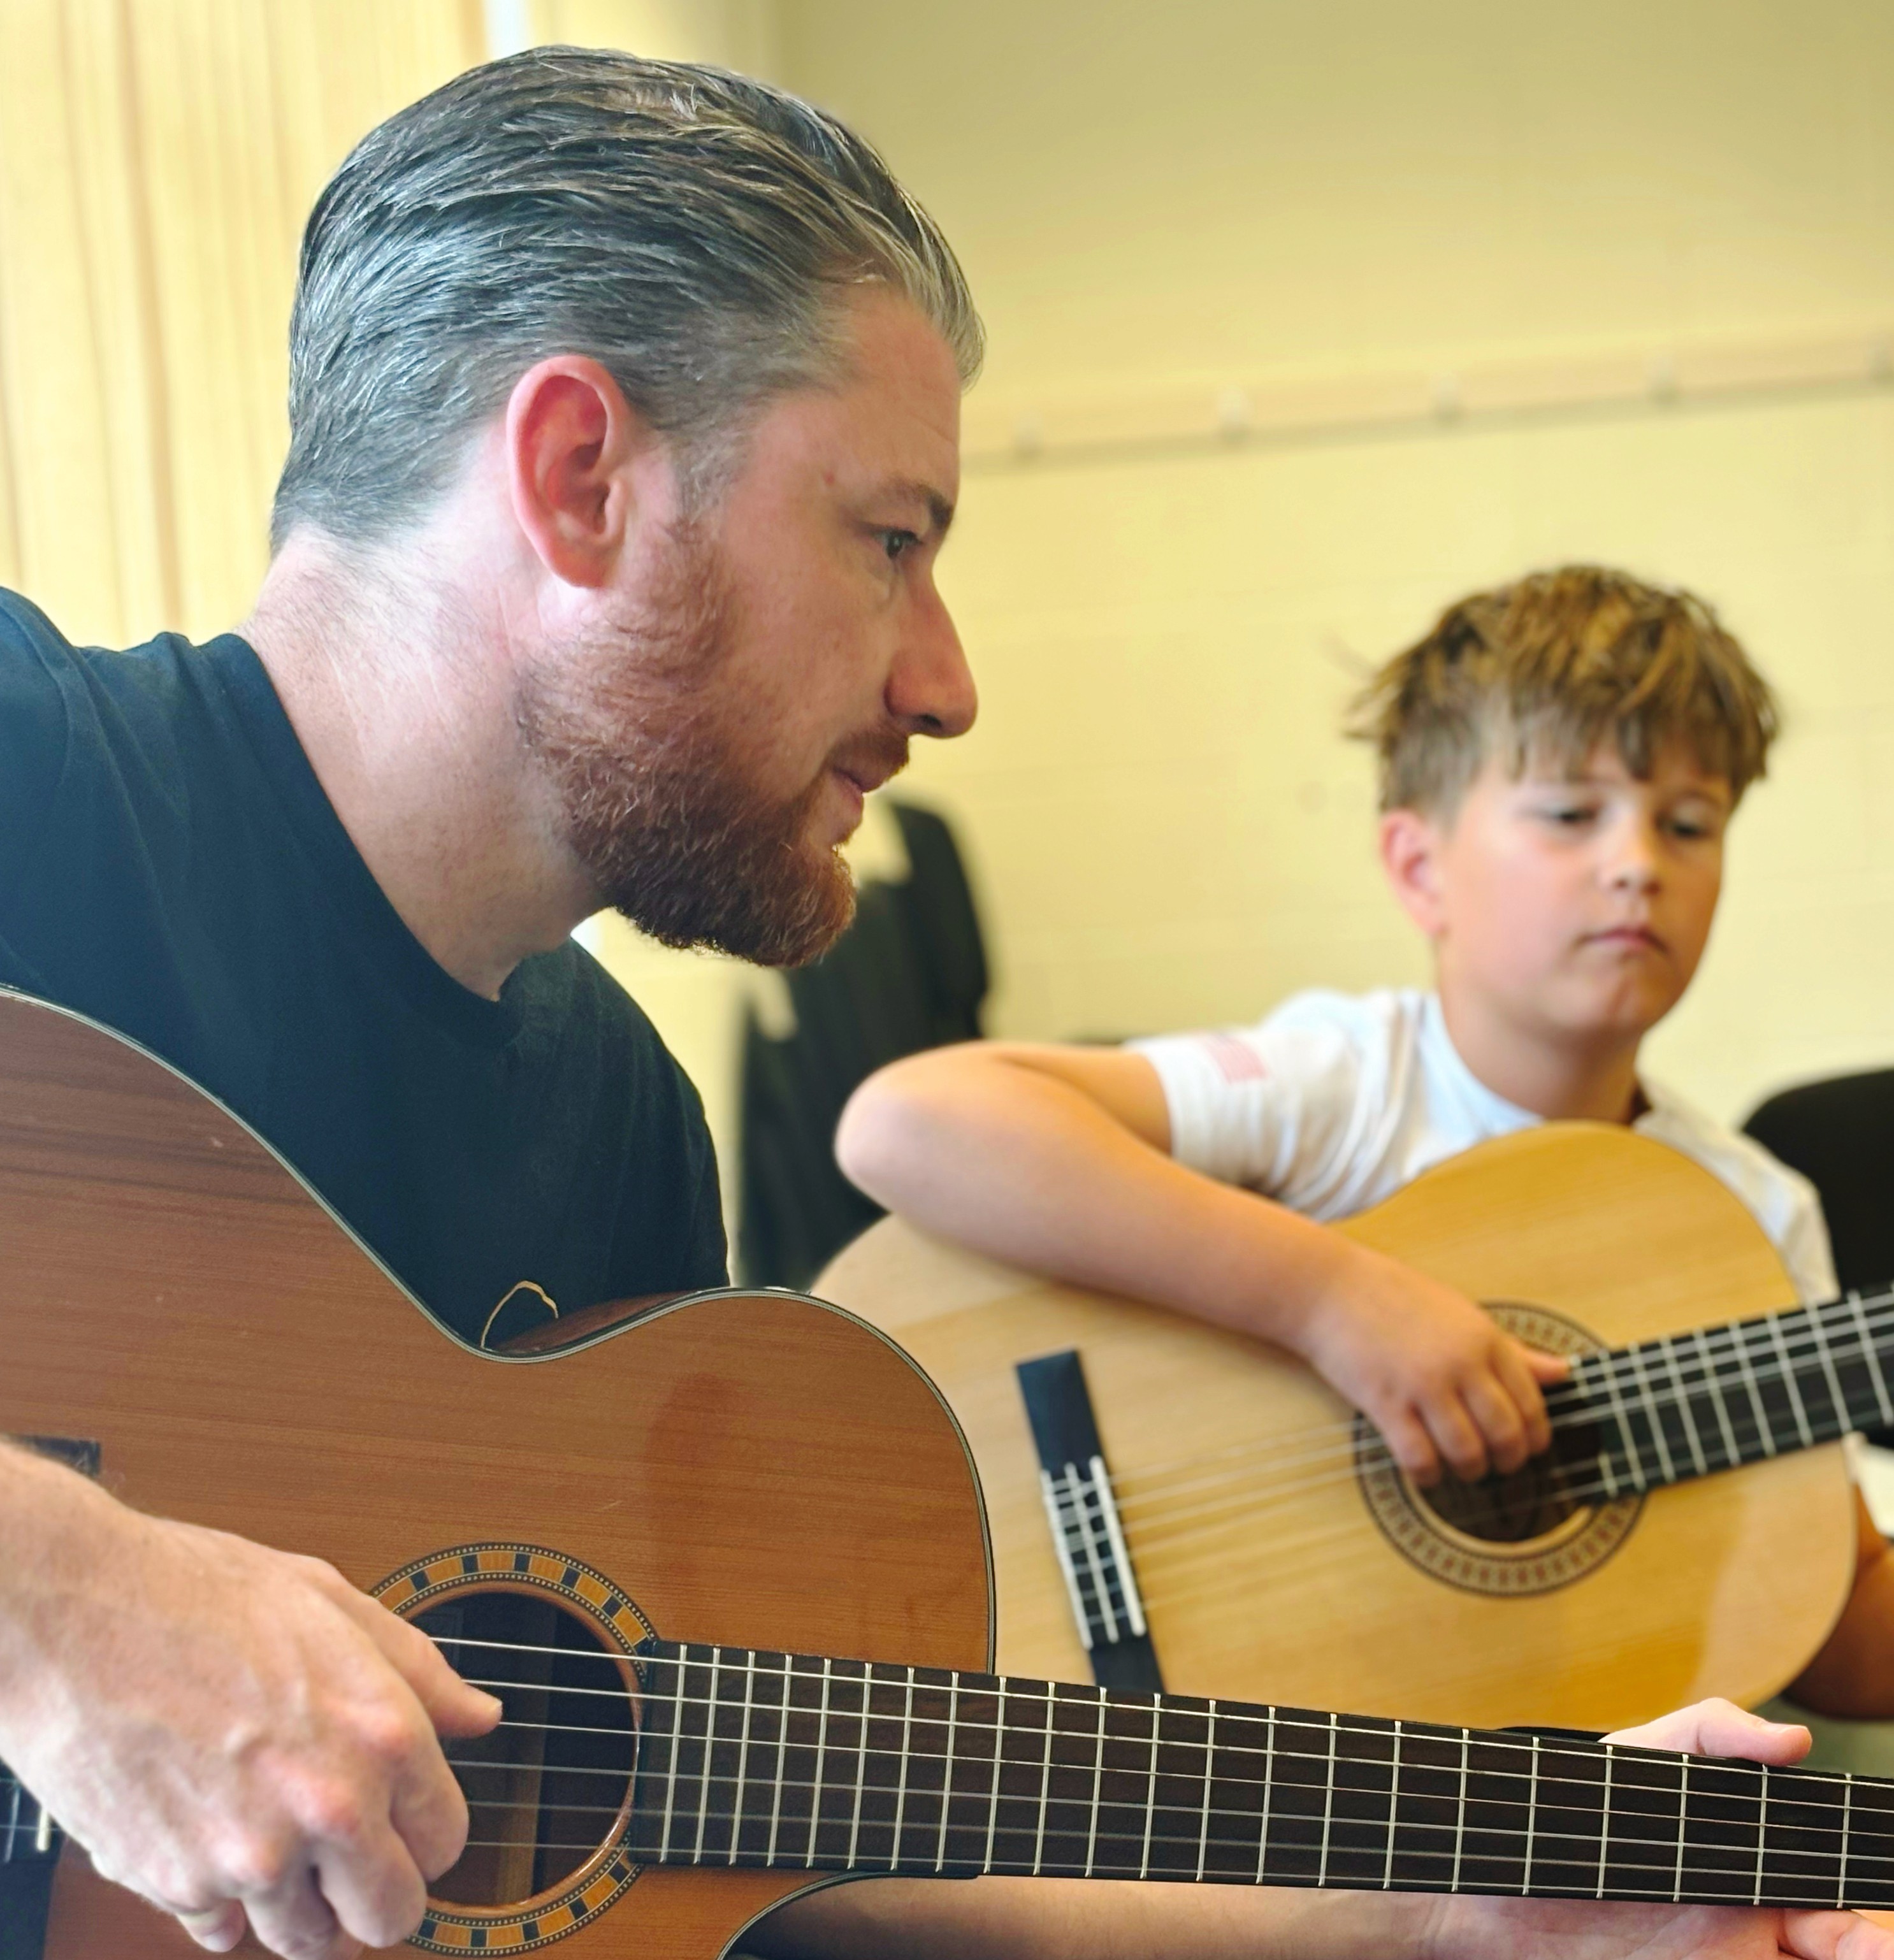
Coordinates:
(1087, 1533)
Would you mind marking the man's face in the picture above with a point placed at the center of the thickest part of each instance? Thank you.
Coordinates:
(1577, 904)
(763, 668)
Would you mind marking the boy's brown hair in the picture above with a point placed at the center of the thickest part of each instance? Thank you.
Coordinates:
(1546, 669)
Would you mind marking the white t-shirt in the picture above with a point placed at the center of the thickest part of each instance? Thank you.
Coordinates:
(1338, 1100)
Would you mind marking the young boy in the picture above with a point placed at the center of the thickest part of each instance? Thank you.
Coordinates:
(1559, 759)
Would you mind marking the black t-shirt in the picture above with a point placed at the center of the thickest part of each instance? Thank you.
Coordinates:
(169, 865)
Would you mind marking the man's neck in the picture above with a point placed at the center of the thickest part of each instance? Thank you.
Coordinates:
(1560, 1079)
(405, 715)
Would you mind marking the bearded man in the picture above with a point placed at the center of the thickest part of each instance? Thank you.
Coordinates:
(624, 409)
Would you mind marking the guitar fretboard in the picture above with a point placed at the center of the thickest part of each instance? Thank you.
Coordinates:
(763, 1759)
(26, 1831)
(1692, 1403)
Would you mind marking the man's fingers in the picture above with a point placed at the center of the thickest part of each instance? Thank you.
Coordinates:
(451, 1705)
(429, 1815)
(1719, 1728)
(374, 1890)
(218, 1930)
(293, 1919)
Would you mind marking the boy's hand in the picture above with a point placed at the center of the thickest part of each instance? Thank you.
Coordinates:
(1439, 1379)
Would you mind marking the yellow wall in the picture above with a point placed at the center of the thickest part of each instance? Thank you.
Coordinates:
(1168, 828)
(158, 158)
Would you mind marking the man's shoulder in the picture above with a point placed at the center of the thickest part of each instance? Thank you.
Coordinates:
(602, 1026)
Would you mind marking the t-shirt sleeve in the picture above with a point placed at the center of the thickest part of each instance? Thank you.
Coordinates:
(1270, 1107)
(35, 734)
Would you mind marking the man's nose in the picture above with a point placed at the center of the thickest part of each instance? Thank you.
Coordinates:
(931, 689)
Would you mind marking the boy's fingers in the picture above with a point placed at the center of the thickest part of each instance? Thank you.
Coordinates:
(1495, 1411)
(1544, 1367)
(1521, 1386)
(1457, 1437)
(1411, 1447)
(1720, 1727)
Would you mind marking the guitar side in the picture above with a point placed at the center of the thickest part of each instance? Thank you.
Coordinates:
(1725, 1586)
(752, 1468)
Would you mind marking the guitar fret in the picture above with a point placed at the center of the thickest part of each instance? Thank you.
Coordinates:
(1394, 1807)
(861, 1770)
(1683, 1813)
(1656, 1420)
(901, 1791)
(1765, 1430)
(1634, 1458)
(1819, 1333)
(1045, 1790)
(993, 1797)
(822, 1753)
(1459, 1820)
(1098, 1787)
(1604, 1822)
(947, 1772)
(1762, 1832)
(1210, 1756)
(1733, 1455)
(1150, 1806)
(1848, 1809)
(1328, 1808)
(742, 1757)
(1269, 1786)
(1683, 1405)
(1532, 1823)
(1789, 1381)
(1870, 1355)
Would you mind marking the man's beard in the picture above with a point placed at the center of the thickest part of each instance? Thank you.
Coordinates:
(654, 764)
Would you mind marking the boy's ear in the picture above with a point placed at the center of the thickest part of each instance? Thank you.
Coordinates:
(1410, 855)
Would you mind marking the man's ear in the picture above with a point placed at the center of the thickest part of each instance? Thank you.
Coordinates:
(1410, 855)
(573, 445)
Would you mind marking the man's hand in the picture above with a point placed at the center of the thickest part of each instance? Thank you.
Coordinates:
(1436, 1377)
(234, 1732)
(1502, 1929)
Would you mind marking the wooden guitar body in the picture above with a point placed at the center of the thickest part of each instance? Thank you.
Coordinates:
(748, 1469)
(1277, 1570)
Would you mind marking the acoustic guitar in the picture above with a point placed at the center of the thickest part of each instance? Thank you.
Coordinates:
(724, 1559)
(1173, 1504)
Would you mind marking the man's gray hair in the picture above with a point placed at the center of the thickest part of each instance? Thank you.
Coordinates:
(696, 232)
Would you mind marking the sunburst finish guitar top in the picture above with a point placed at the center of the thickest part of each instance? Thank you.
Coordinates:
(1277, 1554)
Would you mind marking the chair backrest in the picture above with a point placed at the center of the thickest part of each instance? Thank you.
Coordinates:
(910, 973)
(1839, 1134)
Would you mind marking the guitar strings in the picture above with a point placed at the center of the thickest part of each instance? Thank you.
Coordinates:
(1616, 1369)
(1220, 1490)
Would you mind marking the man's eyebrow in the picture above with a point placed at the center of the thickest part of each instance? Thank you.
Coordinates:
(939, 509)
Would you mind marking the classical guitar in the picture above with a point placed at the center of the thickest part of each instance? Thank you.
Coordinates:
(724, 1559)
(1174, 1505)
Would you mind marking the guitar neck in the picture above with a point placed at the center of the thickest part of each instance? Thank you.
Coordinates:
(763, 1759)
(26, 1831)
(1689, 1404)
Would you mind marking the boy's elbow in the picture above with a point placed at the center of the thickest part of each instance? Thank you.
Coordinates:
(888, 1135)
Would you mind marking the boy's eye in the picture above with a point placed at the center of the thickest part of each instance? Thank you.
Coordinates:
(1568, 815)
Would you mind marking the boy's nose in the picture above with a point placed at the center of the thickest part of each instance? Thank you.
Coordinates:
(1634, 861)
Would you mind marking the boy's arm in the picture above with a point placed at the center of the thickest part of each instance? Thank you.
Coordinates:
(1056, 1158)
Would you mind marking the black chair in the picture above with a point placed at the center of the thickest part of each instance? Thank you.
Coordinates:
(910, 973)
(1839, 1134)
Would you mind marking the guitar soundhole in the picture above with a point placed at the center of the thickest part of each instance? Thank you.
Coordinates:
(1533, 1502)
(548, 1788)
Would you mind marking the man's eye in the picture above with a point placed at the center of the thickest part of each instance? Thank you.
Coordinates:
(896, 543)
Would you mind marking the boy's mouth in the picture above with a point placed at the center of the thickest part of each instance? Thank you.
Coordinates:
(1627, 937)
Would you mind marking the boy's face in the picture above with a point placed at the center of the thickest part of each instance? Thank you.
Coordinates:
(1574, 904)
